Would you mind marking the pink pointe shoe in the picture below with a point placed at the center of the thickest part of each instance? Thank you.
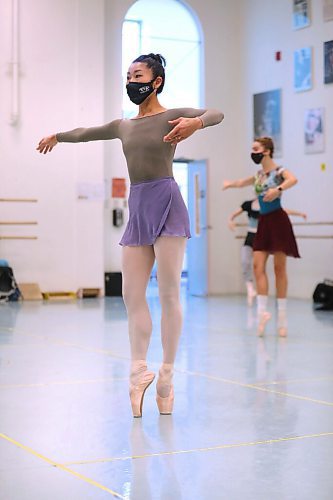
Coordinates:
(165, 405)
(282, 325)
(263, 318)
(140, 380)
(282, 331)
(165, 393)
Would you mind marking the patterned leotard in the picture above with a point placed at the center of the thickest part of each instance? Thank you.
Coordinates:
(265, 181)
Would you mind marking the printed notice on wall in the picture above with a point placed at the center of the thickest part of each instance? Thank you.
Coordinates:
(90, 191)
(118, 187)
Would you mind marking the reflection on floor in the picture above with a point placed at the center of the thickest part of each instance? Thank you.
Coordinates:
(253, 417)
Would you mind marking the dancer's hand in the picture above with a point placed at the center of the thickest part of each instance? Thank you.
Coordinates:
(183, 128)
(227, 185)
(231, 225)
(46, 144)
(272, 194)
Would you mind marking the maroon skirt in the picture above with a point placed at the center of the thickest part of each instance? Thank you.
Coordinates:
(275, 234)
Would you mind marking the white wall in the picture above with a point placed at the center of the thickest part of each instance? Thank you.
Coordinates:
(70, 53)
(115, 165)
(267, 29)
(61, 85)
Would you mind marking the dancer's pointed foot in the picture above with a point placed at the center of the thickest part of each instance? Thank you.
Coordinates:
(140, 380)
(282, 325)
(165, 405)
(282, 330)
(263, 318)
(164, 387)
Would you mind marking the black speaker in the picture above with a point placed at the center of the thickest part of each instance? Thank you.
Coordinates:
(113, 284)
(323, 296)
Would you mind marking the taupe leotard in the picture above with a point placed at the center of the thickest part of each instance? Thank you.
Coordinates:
(147, 156)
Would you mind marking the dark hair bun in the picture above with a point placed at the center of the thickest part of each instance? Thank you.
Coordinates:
(157, 57)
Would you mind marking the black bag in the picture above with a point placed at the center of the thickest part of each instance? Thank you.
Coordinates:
(9, 291)
(323, 296)
(113, 284)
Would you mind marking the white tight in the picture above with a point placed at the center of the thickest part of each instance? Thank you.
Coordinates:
(247, 263)
(137, 265)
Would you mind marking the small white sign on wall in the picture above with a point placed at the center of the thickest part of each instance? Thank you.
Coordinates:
(90, 191)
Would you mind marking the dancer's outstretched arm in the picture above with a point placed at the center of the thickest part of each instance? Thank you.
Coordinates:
(248, 181)
(296, 213)
(100, 133)
(233, 216)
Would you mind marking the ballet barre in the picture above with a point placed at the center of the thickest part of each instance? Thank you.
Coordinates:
(299, 236)
(18, 237)
(243, 224)
(19, 200)
(314, 237)
(18, 223)
(312, 223)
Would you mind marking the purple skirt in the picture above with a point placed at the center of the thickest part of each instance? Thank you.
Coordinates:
(156, 208)
(275, 234)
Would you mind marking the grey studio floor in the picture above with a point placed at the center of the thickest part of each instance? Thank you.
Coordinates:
(253, 418)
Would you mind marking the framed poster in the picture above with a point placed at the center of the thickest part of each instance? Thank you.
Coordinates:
(314, 130)
(301, 14)
(328, 62)
(303, 69)
(267, 117)
(328, 10)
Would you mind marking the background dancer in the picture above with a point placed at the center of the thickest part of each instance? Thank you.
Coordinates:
(275, 234)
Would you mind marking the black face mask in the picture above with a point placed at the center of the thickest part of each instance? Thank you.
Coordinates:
(257, 157)
(138, 91)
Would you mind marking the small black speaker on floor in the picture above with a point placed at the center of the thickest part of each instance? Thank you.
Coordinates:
(323, 296)
(113, 284)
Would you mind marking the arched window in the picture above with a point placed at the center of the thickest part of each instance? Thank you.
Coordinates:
(169, 28)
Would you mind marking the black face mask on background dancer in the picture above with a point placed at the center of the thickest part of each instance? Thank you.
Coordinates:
(257, 157)
(138, 91)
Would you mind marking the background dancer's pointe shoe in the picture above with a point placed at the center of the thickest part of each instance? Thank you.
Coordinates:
(165, 405)
(137, 393)
(282, 330)
(263, 318)
(282, 325)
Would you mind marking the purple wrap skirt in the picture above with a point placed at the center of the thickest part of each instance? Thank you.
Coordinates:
(156, 208)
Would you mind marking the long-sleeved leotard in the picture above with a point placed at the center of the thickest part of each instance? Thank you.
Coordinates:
(147, 156)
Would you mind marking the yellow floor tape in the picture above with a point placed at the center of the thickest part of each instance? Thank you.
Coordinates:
(61, 466)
